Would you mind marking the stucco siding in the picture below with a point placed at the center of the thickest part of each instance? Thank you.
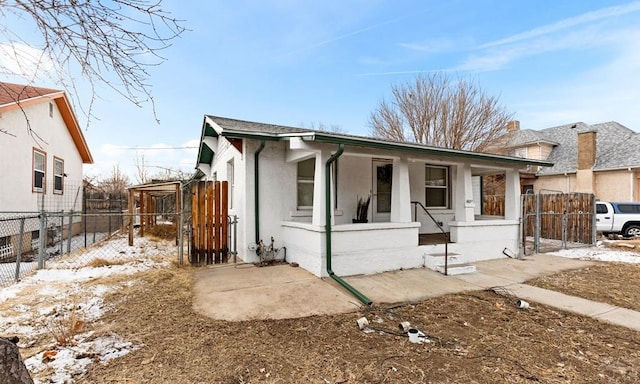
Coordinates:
(619, 185)
(51, 136)
(558, 183)
(615, 185)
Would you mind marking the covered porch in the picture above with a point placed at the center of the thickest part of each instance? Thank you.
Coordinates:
(417, 194)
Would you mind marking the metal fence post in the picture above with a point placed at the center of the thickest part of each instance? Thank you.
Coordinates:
(180, 239)
(536, 228)
(235, 238)
(20, 243)
(565, 229)
(594, 224)
(522, 239)
(61, 231)
(70, 231)
(43, 240)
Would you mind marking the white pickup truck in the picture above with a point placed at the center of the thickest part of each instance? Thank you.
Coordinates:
(622, 218)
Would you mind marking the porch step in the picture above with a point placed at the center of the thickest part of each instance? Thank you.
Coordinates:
(457, 269)
(433, 260)
(456, 264)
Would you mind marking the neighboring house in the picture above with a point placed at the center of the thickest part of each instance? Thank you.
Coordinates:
(603, 159)
(41, 157)
(307, 179)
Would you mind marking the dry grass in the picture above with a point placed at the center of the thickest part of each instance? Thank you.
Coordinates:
(99, 262)
(612, 283)
(478, 337)
(162, 231)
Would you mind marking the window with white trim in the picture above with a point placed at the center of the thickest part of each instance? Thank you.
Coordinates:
(58, 175)
(520, 152)
(306, 172)
(39, 170)
(436, 185)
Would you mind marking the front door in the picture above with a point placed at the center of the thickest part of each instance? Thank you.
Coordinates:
(381, 191)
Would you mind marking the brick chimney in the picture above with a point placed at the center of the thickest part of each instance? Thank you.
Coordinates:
(586, 149)
(586, 160)
(513, 125)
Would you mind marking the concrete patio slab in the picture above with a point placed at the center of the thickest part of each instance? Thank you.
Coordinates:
(407, 285)
(246, 292)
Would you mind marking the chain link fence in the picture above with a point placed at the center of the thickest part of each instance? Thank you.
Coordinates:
(73, 240)
(87, 227)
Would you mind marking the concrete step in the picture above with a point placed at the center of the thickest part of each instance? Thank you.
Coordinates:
(432, 260)
(457, 269)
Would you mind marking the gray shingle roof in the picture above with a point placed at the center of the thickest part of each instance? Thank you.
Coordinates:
(240, 128)
(251, 126)
(617, 146)
(522, 138)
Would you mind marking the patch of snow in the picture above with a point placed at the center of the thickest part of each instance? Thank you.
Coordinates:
(599, 253)
(72, 361)
(45, 301)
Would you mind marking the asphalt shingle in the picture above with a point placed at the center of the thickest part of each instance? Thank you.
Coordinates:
(617, 147)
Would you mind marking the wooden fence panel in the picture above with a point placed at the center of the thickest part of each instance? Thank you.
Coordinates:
(562, 216)
(493, 205)
(209, 212)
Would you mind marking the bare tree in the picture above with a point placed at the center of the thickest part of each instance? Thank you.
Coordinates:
(111, 43)
(169, 174)
(441, 111)
(142, 170)
(333, 128)
(115, 183)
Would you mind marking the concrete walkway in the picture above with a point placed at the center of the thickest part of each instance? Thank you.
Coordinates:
(245, 292)
(601, 311)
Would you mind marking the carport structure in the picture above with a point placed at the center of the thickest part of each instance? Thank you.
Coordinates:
(148, 196)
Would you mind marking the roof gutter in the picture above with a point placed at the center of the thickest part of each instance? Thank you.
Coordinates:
(328, 207)
(421, 148)
(256, 191)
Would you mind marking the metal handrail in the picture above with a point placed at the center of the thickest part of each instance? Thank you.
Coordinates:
(446, 235)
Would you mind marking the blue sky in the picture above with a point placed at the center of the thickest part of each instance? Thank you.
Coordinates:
(302, 62)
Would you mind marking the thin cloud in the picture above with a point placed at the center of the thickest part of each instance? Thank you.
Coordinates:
(343, 36)
(567, 23)
(409, 72)
(498, 57)
(24, 60)
(430, 46)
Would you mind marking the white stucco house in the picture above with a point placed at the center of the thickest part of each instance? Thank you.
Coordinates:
(301, 187)
(42, 153)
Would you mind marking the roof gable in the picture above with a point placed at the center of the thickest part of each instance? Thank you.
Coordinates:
(14, 96)
(11, 94)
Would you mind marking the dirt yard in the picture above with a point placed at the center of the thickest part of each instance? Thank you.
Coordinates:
(479, 337)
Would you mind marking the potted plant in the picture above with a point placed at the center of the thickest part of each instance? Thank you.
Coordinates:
(362, 209)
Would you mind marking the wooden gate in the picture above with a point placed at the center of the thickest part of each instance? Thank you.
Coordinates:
(563, 217)
(209, 212)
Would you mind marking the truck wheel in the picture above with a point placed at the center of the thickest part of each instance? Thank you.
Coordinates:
(632, 231)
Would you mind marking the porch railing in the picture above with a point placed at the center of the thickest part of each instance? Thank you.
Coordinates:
(445, 235)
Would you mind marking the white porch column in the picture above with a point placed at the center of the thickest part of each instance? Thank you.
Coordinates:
(318, 217)
(512, 195)
(464, 204)
(400, 192)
